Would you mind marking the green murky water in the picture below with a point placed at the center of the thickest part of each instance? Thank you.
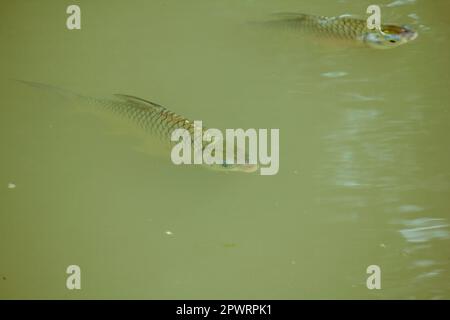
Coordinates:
(364, 160)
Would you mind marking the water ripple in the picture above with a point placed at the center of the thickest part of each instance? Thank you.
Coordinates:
(425, 229)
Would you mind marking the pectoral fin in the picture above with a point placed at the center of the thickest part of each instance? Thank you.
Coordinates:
(138, 100)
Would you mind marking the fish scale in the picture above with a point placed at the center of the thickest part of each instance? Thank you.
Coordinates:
(341, 27)
(151, 117)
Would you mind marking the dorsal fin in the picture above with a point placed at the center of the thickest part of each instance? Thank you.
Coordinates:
(141, 101)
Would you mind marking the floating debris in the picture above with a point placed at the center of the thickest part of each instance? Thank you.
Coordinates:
(169, 233)
(11, 185)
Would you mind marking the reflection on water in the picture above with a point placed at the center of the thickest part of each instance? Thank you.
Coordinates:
(425, 229)
(397, 3)
(334, 74)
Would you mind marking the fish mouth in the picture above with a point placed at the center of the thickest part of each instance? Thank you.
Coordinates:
(405, 32)
(248, 168)
(408, 33)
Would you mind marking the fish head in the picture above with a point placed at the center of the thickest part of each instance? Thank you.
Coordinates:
(390, 36)
(230, 166)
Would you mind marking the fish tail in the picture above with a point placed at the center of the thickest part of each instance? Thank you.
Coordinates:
(292, 15)
(287, 20)
(65, 93)
(276, 16)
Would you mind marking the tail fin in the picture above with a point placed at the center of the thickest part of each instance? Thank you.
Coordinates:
(276, 18)
(289, 15)
(283, 20)
(60, 91)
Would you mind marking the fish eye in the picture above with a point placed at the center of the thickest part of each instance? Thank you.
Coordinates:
(392, 41)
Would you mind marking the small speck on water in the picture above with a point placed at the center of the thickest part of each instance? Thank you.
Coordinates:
(11, 185)
(169, 233)
(3, 278)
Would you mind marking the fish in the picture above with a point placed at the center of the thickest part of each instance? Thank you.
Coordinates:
(150, 117)
(346, 27)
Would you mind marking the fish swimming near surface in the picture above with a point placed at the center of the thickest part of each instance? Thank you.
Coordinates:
(151, 117)
(346, 27)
